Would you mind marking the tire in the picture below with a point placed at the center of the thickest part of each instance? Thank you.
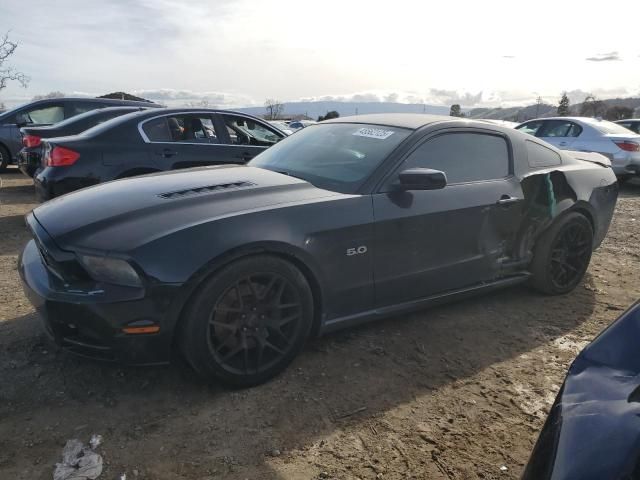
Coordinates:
(247, 322)
(562, 254)
(5, 158)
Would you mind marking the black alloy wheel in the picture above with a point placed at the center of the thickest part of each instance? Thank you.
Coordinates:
(562, 254)
(248, 321)
(254, 323)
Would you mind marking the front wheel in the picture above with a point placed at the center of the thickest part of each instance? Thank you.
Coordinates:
(562, 255)
(249, 321)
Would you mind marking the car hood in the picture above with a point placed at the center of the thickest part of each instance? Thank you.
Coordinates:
(124, 214)
(592, 428)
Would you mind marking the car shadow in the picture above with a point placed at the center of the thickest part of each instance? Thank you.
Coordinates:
(347, 377)
(630, 188)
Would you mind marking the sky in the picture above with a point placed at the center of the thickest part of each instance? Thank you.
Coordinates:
(236, 53)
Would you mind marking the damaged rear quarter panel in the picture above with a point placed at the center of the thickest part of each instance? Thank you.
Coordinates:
(575, 185)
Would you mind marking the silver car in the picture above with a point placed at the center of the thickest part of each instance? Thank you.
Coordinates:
(584, 134)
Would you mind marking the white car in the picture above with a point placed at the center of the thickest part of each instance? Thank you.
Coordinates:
(620, 145)
(298, 124)
(502, 123)
(282, 126)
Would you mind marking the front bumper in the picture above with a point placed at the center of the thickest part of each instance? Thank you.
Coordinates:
(88, 321)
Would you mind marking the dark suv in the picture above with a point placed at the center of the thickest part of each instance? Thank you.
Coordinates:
(47, 112)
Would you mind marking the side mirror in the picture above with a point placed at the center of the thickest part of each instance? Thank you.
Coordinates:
(422, 179)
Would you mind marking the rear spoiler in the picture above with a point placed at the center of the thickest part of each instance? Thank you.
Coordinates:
(591, 157)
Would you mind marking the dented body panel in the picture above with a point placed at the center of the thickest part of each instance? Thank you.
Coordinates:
(367, 253)
(592, 431)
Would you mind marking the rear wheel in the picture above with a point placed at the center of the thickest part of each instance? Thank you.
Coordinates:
(562, 255)
(5, 157)
(248, 322)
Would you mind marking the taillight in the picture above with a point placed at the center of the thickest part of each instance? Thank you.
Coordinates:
(31, 141)
(628, 146)
(60, 157)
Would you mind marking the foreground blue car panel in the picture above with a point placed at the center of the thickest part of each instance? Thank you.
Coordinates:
(593, 430)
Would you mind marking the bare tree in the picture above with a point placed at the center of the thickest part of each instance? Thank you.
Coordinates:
(274, 108)
(592, 107)
(7, 72)
(55, 94)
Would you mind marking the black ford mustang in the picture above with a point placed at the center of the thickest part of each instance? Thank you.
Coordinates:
(345, 221)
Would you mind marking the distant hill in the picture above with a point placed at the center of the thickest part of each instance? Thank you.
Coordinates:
(521, 114)
(315, 109)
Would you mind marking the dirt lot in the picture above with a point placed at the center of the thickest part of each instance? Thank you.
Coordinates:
(455, 392)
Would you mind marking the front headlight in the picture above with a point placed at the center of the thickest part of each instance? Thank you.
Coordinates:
(110, 270)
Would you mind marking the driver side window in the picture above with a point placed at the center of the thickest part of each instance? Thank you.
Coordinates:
(463, 157)
(245, 131)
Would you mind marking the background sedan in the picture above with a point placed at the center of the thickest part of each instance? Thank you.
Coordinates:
(632, 124)
(585, 134)
(30, 157)
(150, 141)
(47, 112)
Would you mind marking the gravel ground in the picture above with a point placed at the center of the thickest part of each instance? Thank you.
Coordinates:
(455, 392)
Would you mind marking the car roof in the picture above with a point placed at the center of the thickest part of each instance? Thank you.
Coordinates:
(628, 120)
(590, 120)
(403, 120)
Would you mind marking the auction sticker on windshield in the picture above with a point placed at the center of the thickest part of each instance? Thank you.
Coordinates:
(378, 133)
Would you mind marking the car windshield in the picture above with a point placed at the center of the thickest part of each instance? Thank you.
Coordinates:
(606, 127)
(335, 156)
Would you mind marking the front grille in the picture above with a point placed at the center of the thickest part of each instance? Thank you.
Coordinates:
(206, 189)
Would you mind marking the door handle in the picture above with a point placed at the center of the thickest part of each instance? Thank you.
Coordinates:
(167, 153)
(508, 200)
(563, 144)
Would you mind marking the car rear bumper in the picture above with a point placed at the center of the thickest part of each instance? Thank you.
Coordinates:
(626, 163)
(29, 161)
(90, 322)
(51, 182)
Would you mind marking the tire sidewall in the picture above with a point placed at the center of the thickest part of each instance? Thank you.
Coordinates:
(195, 344)
(542, 255)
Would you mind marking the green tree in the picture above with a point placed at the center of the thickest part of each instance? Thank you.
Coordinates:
(563, 105)
(618, 112)
(456, 111)
(329, 116)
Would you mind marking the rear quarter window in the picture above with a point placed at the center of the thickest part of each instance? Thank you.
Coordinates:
(541, 156)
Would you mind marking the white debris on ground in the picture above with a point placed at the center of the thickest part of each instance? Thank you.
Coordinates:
(79, 462)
